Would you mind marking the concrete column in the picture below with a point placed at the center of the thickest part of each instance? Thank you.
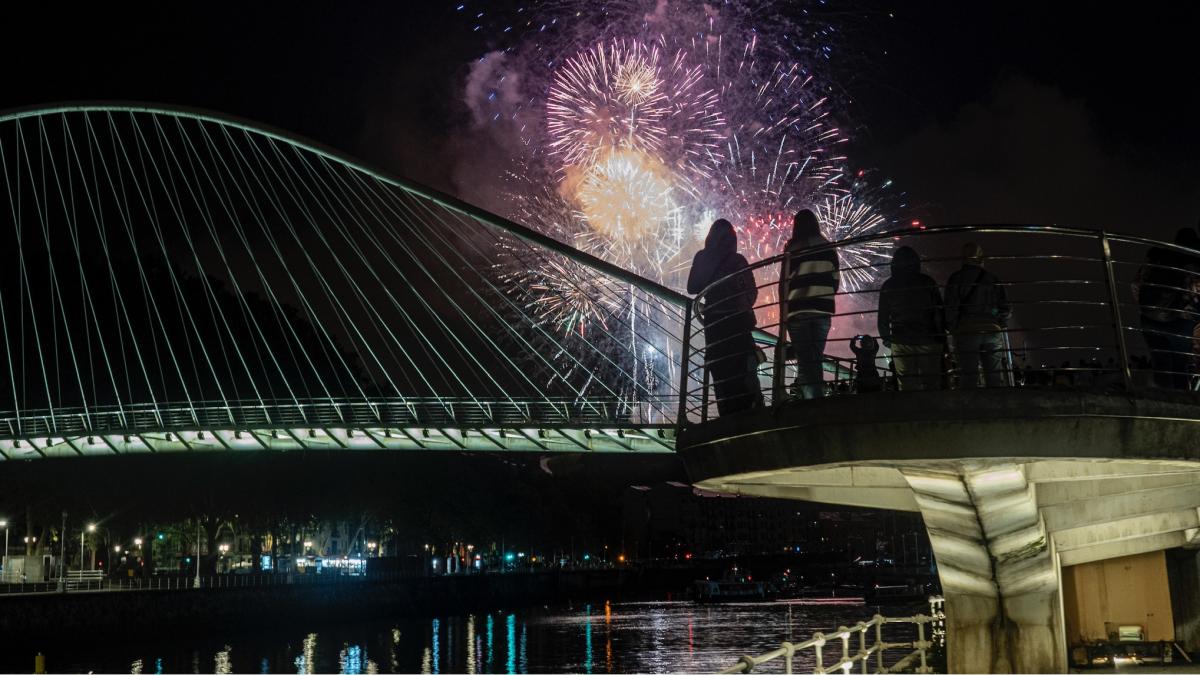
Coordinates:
(997, 567)
(1183, 576)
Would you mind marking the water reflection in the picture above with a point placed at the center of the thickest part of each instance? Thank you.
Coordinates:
(637, 637)
(471, 644)
(305, 662)
(491, 656)
(221, 662)
(524, 660)
(510, 631)
(587, 639)
(608, 640)
(436, 648)
(350, 659)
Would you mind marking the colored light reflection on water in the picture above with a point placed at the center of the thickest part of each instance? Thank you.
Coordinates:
(637, 637)
(587, 639)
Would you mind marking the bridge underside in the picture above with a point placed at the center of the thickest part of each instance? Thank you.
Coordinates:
(515, 439)
(1012, 486)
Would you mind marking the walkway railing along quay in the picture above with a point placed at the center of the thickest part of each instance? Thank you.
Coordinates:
(862, 657)
(1089, 309)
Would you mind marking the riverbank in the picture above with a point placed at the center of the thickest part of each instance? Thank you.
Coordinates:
(41, 620)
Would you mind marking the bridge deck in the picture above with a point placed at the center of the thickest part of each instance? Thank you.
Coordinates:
(386, 424)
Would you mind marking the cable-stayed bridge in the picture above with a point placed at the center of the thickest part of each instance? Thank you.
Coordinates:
(181, 280)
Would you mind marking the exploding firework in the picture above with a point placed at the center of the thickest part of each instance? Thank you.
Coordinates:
(848, 217)
(606, 98)
(625, 96)
(567, 295)
(627, 198)
(644, 120)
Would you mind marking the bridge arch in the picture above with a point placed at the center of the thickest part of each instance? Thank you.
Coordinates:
(189, 280)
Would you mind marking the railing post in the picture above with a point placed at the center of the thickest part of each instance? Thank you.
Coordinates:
(819, 652)
(879, 643)
(1115, 304)
(704, 389)
(779, 366)
(921, 644)
(845, 643)
(685, 366)
(862, 648)
(789, 652)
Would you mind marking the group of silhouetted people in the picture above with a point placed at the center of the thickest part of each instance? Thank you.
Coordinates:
(1168, 296)
(926, 325)
(915, 317)
(808, 288)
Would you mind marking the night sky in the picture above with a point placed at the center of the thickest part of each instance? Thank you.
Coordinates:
(1003, 112)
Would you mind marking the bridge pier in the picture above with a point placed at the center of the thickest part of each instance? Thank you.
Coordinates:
(1013, 486)
(999, 573)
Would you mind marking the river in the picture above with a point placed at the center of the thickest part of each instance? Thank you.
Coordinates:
(599, 637)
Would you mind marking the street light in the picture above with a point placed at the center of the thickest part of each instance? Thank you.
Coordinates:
(4, 524)
(137, 541)
(196, 581)
(91, 527)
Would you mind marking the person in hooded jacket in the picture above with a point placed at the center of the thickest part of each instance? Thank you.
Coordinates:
(810, 289)
(977, 311)
(728, 316)
(912, 323)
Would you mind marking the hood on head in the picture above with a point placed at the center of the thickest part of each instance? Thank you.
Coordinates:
(905, 261)
(721, 237)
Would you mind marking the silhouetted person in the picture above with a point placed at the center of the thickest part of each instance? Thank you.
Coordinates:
(977, 312)
(810, 287)
(911, 321)
(1167, 299)
(728, 315)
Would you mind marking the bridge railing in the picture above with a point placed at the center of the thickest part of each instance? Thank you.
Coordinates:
(868, 653)
(1087, 309)
(315, 414)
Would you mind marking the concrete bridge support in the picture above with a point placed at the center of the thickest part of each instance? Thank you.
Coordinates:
(1013, 485)
(998, 569)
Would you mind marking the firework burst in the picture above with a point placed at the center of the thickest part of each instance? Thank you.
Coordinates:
(627, 198)
(624, 95)
(849, 216)
(643, 121)
(606, 98)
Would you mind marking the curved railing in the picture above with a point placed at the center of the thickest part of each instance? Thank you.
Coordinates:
(1088, 310)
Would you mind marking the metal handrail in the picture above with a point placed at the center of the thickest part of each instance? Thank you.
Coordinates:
(1096, 285)
(918, 649)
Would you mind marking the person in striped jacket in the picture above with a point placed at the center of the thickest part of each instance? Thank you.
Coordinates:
(809, 288)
